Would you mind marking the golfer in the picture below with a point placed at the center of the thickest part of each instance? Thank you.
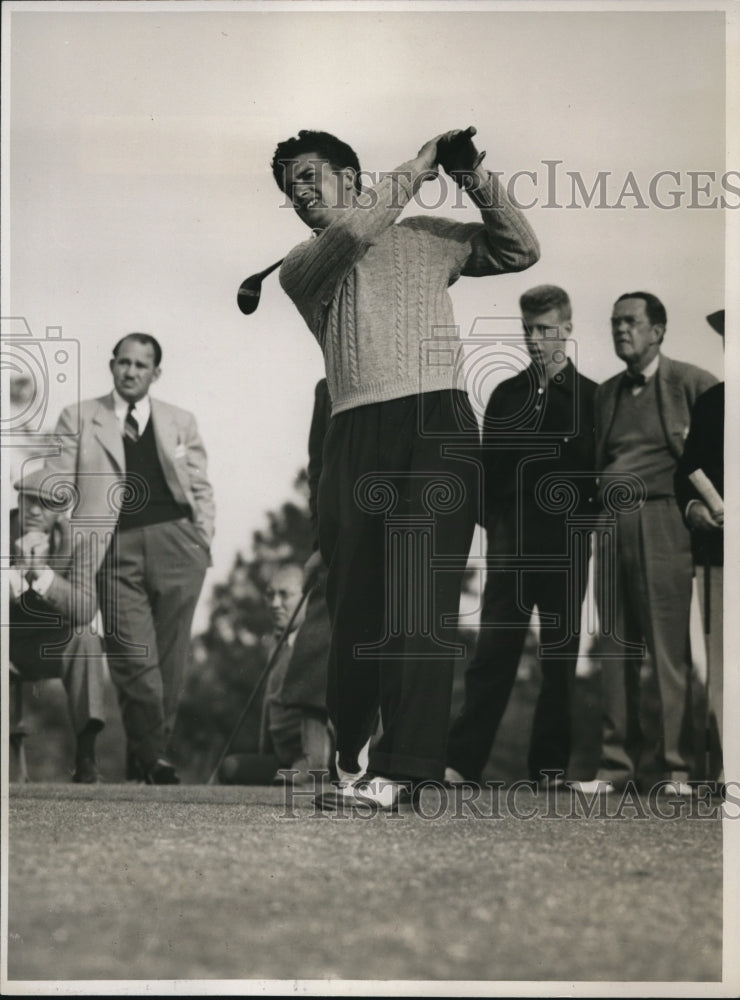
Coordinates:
(374, 294)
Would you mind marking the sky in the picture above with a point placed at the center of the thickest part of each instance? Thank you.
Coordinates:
(139, 193)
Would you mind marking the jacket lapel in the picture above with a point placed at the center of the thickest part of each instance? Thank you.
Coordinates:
(671, 405)
(107, 431)
(670, 387)
(166, 436)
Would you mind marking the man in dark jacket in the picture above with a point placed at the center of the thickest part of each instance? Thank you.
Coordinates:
(702, 512)
(538, 455)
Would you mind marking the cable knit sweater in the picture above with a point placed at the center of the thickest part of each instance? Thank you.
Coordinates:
(373, 292)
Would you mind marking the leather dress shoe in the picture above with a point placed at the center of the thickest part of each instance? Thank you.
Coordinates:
(595, 787)
(674, 787)
(85, 772)
(162, 773)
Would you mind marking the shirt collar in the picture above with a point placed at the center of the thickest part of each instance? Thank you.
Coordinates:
(142, 408)
(649, 370)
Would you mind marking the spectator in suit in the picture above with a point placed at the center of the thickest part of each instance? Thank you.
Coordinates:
(282, 731)
(704, 449)
(52, 605)
(537, 424)
(138, 467)
(642, 419)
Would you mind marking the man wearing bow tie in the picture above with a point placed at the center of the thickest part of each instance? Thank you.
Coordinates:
(138, 468)
(642, 419)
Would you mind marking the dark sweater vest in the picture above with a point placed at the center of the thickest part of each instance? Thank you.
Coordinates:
(148, 498)
(637, 442)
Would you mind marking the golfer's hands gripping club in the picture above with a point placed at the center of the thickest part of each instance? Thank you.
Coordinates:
(457, 153)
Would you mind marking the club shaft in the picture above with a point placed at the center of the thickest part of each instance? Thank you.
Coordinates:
(270, 269)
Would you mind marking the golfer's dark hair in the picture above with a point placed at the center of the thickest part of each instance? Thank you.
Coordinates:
(142, 338)
(653, 306)
(326, 146)
(543, 298)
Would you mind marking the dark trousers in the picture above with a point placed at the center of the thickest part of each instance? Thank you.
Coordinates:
(646, 600)
(511, 595)
(149, 585)
(76, 657)
(396, 519)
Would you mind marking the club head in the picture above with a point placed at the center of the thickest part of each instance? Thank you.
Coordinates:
(248, 297)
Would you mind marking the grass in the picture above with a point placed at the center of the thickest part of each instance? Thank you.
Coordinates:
(132, 882)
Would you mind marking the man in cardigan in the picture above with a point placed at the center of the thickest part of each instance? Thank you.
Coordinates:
(139, 468)
(538, 427)
(373, 293)
(642, 419)
(51, 606)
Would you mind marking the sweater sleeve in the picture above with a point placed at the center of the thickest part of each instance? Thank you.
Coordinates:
(503, 243)
(314, 270)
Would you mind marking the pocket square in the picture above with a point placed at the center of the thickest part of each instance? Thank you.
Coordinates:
(180, 451)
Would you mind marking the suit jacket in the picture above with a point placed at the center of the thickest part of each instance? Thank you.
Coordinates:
(677, 385)
(92, 462)
(273, 686)
(704, 450)
(71, 598)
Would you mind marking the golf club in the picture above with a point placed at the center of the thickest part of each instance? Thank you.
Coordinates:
(248, 297)
(260, 680)
(458, 156)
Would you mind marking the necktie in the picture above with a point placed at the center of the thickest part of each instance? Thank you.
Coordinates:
(131, 424)
(31, 576)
